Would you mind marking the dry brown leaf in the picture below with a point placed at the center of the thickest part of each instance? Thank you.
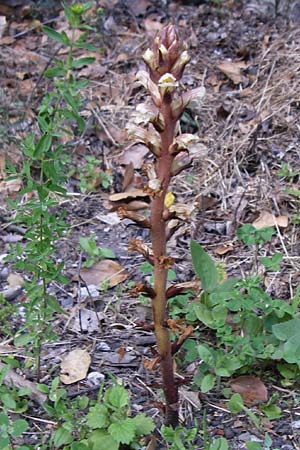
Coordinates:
(152, 444)
(233, 70)
(14, 280)
(134, 154)
(151, 364)
(102, 271)
(74, 366)
(222, 250)
(128, 176)
(9, 187)
(152, 26)
(133, 193)
(121, 352)
(251, 389)
(267, 219)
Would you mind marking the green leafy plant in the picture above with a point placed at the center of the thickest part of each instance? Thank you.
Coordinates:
(166, 61)
(95, 425)
(179, 438)
(11, 399)
(249, 326)
(89, 245)
(43, 174)
(90, 176)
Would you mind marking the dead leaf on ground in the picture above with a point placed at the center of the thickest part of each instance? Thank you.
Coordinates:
(14, 280)
(152, 26)
(251, 389)
(222, 250)
(9, 187)
(133, 193)
(86, 321)
(233, 70)
(267, 219)
(134, 154)
(151, 364)
(152, 444)
(105, 270)
(74, 366)
(191, 396)
(128, 176)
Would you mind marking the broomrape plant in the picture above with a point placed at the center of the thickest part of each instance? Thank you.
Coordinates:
(156, 124)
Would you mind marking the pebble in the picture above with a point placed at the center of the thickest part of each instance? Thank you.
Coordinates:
(95, 378)
(103, 347)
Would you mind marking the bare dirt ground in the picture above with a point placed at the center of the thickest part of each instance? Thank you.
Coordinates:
(247, 56)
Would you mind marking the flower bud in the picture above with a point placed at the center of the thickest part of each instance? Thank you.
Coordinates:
(167, 83)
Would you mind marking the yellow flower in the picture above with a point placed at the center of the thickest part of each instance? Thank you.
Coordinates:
(169, 199)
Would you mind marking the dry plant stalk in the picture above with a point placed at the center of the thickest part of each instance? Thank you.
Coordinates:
(156, 124)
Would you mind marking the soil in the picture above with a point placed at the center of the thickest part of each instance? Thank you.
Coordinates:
(248, 126)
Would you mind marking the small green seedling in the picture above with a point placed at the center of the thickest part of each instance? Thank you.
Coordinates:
(95, 253)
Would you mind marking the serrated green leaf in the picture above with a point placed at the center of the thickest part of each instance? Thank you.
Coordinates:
(102, 440)
(143, 424)
(116, 396)
(123, 431)
(204, 267)
(97, 417)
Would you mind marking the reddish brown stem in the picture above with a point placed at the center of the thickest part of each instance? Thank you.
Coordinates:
(159, 239)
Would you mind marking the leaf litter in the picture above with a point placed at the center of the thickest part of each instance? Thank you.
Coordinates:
(249, 64)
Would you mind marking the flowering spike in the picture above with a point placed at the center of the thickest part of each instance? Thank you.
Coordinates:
(165, 60)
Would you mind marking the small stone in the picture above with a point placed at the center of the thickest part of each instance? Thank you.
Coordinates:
(103, 347)
(296, 424)
(95, 378)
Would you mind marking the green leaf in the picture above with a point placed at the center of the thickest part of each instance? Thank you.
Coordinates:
(97, 417)
(79, 446)
(253, 445)
(43, 145)
(8, 400)
(206, 354)
(219, 444)
(106, 253)
(55, 72)
(62, 38)
(123, 431)
(207, 383)
(143, 424)
(285, 330)
(61, 437)
(289, 331)
(4, 442)
(204, 267)
(116, 396)
(102, 440)
(272, 412)
(18, 427)
(236, 404)
(3, 420)
(77, 63)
